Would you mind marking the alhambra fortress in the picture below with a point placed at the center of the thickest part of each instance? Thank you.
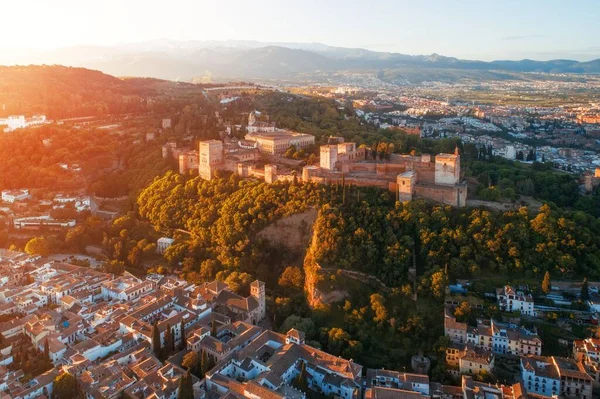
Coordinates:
(260, 155)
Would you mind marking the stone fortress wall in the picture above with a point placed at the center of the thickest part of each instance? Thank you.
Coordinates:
(408, 176)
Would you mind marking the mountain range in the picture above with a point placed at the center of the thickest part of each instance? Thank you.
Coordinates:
(239, 59)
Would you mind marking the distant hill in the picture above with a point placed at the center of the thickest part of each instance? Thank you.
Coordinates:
(246, 59)
(60, 92)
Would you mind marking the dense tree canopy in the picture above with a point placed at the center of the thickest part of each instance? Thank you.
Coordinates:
(323, 118)
(66, 387)
(468, 241)
(221, 215)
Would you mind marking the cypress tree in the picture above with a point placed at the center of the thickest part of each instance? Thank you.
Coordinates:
(168, 341)
(546, 284)
(46, 349)
(203, 364)
(302, 379)
(172, 348)
(46, 355)
(182, 327)
(343, 189)
(213, 328)
(585, 290)
(186, 388)
(156, 344)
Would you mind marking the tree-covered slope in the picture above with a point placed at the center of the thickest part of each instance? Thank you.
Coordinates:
(63, 92)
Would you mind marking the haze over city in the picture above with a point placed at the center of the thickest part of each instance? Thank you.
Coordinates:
(485, 30)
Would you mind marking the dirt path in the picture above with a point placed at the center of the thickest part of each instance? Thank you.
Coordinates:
(359, 276)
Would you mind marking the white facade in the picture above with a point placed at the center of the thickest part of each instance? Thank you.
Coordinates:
(81, 203)
(12, 196)
(510, 300)
(44, 220)
(15, 122)
(163, 243)
(544, 384)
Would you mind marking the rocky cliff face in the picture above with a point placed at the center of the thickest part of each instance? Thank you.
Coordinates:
(315, 275)
(312, 276)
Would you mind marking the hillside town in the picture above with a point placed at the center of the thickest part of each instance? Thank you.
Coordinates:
(300, 200)
(141, 327)
(126, 335)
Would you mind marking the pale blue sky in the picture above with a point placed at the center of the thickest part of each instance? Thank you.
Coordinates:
(484, 29)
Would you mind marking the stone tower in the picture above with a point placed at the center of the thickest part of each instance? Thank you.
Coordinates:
(270, 173)
(447, 169)
(211, 158)
(406, 185)
(257, 290)
(328, 157)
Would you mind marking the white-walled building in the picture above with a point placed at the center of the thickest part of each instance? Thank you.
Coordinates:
(126, 288)
(163, 243)
(80, 203)
(12, 196)
(15, 122)
(496, 337)
(510, 300)
(555, 377)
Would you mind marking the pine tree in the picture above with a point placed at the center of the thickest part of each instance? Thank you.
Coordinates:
(66, 387)
(186, 388)
(156, 344)
(191, 362)
(546, 284)
(585, 290)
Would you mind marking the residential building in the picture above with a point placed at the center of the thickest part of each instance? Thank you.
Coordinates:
(468, 359)
(510, 300)
(555, 376)
(587, 351)
(497, 337)
(395, 380)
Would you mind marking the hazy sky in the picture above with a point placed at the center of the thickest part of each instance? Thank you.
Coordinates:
(482, 29)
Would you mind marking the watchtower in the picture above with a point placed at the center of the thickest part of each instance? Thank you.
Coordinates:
(270, 173)
(257, 290)
(406, 185)
(328, 157)
(211, 158)
(447, 169)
